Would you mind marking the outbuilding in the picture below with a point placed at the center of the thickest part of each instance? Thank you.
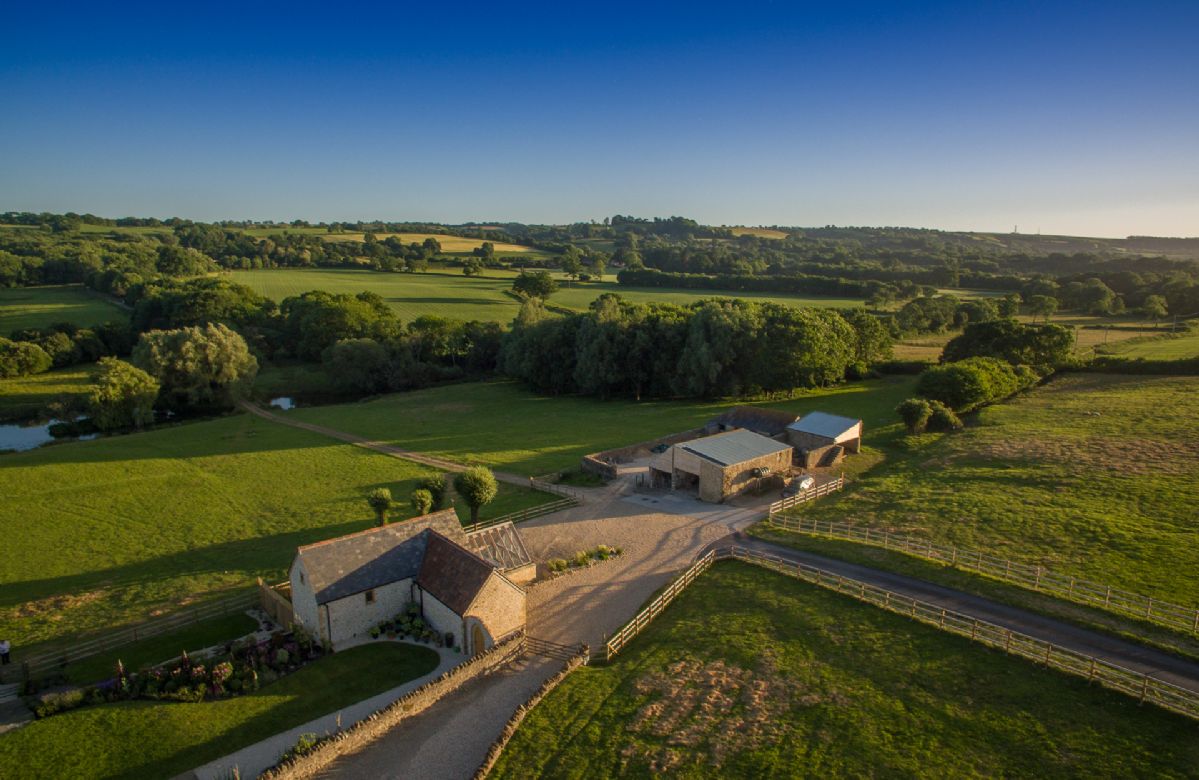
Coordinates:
(343, 587)
(721, 466)
(822, 439)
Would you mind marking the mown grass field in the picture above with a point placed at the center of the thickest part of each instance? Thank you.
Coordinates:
(26, 396)
(37, 307)
(145, 739)
(750, 674)
(1161, 346)
(1092, 475)
(509, 428)
(448, 294)
(450, 245)
(119, 529)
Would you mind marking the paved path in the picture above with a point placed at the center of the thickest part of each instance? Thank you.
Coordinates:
(386, 449)
(1140, 658)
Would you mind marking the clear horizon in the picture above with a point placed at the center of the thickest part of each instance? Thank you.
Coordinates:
(1062, 119)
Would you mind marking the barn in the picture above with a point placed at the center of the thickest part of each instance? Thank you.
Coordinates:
(343, 587)
(822, 439)
(721, 466)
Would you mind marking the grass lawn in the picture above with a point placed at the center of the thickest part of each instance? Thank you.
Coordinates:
(452, 295)
(156, 649)
(145, 739)
(506, 427)
(1159, 347)
(750, 673)
(119, 529)
(1091, 475)
(37, 307)
(25, 397)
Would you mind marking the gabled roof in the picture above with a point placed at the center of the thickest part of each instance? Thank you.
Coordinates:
(768, 422)
(453, 574)
(499, 545)
(351, 564)
(727, 449)
(829, 426)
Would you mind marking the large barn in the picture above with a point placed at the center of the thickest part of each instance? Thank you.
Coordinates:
(721, 466)
(464, 583)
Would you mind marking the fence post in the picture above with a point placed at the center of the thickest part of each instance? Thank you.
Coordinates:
(1149, 608)
(1038, 583)
(974, 630)
(1007, 644)
(887, 538)
(1048, 647)
(1144, 687)
(1107, 599)
(955, 556)
(1091, 674)
(942, 618)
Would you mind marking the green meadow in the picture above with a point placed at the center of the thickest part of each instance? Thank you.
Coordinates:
(37, 307)
(807, 683)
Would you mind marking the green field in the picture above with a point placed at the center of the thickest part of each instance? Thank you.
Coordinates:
(507, 427)
(447, 294)
(148, 739)
(1159, 347)
(37, 307)
(752, 674)
(26, 396)
(122, 528)
(1092, 475)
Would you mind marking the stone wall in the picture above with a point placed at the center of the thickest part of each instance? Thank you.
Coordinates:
(500, 607)
(518, 717)
(737, 479)
(441, 617)
(369, 729)
(353, 616)
(607, 463)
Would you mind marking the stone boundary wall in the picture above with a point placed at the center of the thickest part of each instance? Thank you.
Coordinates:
(605, 463)
(367, 730)
(501, 742)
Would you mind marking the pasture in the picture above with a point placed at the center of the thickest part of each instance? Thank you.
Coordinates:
(500, 424)
(123, 528)
(759, 232)
(750, 673)
(1091, 475)
(140, 739)
(38, 307)
(26, 396)
(1163, 346)
(452, 295)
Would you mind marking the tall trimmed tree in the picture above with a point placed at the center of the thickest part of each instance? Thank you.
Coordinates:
(478, 487)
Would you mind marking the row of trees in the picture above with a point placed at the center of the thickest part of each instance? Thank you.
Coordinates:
(714, 348)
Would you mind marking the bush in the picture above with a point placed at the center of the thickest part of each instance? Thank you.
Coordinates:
(915, 413)
(20, 358)
(53, 703)
(422, 501)
(942, 418)
(971, 383)
(304, 745)
(581, 558)
(436, 485)
(557, 565)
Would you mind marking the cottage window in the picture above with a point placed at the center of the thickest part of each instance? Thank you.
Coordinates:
(370, 597)
(301, 578)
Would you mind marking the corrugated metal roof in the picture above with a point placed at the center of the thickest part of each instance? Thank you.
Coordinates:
(734, 447)
(768, 422)
(830, 426)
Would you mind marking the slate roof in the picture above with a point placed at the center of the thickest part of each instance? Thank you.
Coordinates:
(727, 449)
(768, 422)
(351, 564)
(500, 545)
(829, 426)
(452, 573)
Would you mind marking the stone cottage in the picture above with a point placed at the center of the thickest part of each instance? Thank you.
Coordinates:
(466, 585)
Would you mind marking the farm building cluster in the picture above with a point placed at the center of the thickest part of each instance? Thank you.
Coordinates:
(743, 449)
(467, 586)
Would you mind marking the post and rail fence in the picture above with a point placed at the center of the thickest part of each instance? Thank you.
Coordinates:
(1034, 577)
(1140, 686)
(39, 664)
(811, 494)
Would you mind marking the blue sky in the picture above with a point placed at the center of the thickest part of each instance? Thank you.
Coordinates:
(1077, 118)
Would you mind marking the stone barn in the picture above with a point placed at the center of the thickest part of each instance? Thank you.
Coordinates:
(765, 422)
(721, 466)
(822, 439)
(343, 587)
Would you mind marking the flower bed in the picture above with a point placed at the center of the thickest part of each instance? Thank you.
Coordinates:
(582, 559)
(239, 668)
(410, 625)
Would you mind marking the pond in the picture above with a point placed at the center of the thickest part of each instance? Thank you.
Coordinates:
(283, 402)
(32, 435)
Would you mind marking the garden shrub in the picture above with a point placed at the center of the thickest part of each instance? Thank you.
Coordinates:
(582, 558)
(915, 413)
(971, 383)
(942, 418)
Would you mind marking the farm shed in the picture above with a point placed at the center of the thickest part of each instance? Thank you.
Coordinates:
(765, 422)
(720, 466)
(343, 587)
(822, 439)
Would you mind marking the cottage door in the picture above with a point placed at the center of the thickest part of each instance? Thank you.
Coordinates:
(477, 643)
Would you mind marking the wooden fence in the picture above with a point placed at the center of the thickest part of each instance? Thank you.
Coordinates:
(40, 664)
(275, 601)
(646, 616)
(552, 487)
(808, 495)
(524, 514)
(1136, 684)
(1147, 608)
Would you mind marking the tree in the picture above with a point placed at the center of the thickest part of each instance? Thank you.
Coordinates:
(873, 340)
(478, 487)
(422, 501)
(538, 284)
(572, 264)
(206, 368)
(1009, 305)
(1042, 306)
(915, 413)
(472, 266)
(21, 358)
(971, 383)
(599, 265)
(1154, 308)
(436, 485)
(122, 396)
(357, 365)
(380, 501)
(485, 251)
(1043, 346)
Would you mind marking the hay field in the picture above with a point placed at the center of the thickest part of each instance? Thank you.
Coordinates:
(759, 232)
